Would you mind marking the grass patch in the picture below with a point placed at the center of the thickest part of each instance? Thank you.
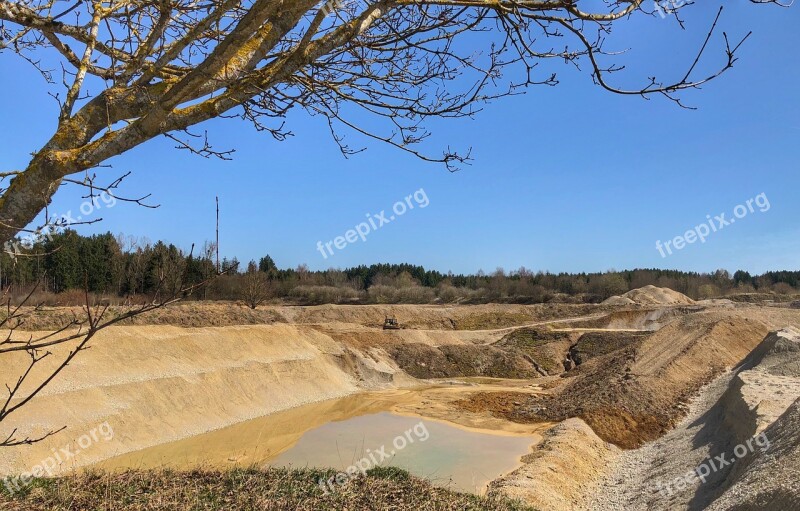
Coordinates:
(383, 488)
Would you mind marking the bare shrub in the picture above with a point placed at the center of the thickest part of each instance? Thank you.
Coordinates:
(315, 295)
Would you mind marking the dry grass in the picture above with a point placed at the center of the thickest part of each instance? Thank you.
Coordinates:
(251, 489)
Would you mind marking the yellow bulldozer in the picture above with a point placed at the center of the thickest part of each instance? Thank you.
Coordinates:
(390, 323)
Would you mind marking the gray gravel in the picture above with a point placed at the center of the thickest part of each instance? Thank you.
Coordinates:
(631, 482)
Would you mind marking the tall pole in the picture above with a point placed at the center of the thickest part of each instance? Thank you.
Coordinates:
(217, 233)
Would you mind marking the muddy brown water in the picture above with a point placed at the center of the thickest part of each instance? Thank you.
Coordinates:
(353, 432)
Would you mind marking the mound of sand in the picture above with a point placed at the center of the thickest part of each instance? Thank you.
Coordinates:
(559, 472)
(652, 295)
(765, 395)
(764, 398)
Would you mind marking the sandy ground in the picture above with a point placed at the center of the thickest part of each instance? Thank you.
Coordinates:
(561, 470)
(159, 386)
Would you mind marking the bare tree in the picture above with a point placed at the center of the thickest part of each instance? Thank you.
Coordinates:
(210, 253)
(133, 70)
(255, 290)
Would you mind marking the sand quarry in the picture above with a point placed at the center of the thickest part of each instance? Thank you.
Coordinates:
(615, 398)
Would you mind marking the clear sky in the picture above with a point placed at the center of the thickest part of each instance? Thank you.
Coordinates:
(570, 178)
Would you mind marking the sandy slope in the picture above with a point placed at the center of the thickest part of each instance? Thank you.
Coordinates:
(770, 480)
(761, 397)
(575, 470)
(155, 384)
(561, 470)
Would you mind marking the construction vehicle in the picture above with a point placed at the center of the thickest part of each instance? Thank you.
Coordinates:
(390, 323)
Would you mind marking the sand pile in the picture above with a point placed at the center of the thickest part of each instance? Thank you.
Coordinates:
(650, 295)
(557, 475)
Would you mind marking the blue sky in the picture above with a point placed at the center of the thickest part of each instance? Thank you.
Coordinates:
(570, 178)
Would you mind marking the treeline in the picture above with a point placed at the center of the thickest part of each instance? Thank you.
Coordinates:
(120, 266)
